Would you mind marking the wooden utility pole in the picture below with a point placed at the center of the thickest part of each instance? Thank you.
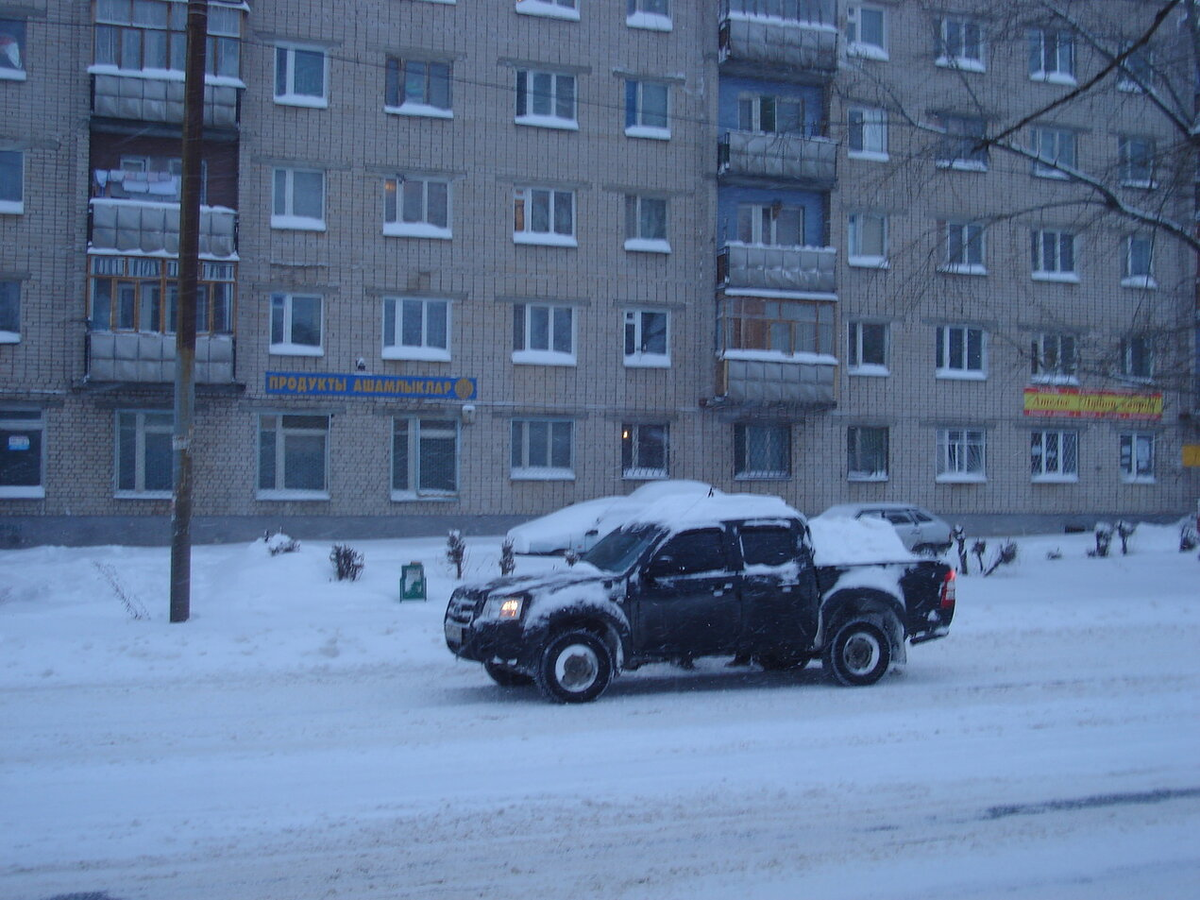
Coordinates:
(185, 326)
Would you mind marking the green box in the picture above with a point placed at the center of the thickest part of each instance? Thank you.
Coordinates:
(412, 582)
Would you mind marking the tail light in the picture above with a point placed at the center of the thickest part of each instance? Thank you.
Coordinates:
(947, 598)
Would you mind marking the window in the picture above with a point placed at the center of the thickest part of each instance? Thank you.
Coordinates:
(691, 553)
(546, 99)
(867, 134)
(12, 49)
(644, 451)
(145, 459)
(296, 325)
(1054, 359)
(866, 33)
(647, 110)
(299, 200)
(762, 451)
(961, 352)
(555, 9)
(293, 457)
(1052, 56)
(1054, 456)
(137, 293)
(22, 454)
(424, 458)
(961, 454)
(12, 182)
(654, 15)
(1137, 267)
(646, 339)
(961, 148)
(1136, 360)
(10, 312)
(544, 216)
(543, 334)
(1137, 457)
(866, 453)
(770, 114)
(782, 327)
(1137, 72)
(300, 76)
(772, 224)
(961, 44)
(768, 545)
(417, 87)
(417, 206)
(867, 235)
(1053, 255)
(543, 449)
(152, 35)
(1055, 148)
(1136, 161)
(962, 248)
(416, 328)
(646, 224)
(866, 353)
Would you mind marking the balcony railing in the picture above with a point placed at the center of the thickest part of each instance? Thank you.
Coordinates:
(779, 384)
(803, 269)
(146, 99)
(798, 33)
(150, 357)
(133, 226)
(795, 157)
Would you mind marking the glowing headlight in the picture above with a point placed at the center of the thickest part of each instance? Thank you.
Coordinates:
(504, 607)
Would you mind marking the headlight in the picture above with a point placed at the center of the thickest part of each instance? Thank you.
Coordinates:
(504, 606)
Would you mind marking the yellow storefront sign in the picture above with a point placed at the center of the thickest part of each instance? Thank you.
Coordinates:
(1191, 455)
(1072, 403)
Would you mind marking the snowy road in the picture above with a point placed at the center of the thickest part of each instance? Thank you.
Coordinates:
(1050, 748)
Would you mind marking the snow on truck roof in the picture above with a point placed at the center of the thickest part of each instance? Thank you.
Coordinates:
(690, 511)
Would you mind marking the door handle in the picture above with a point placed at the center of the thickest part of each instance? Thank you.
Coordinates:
(719, 591)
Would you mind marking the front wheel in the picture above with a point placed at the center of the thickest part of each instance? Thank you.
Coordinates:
(575, 667)
(506, 677)
(859, 653)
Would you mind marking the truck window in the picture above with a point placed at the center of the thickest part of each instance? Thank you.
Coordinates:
(768, 545)
(690, 553)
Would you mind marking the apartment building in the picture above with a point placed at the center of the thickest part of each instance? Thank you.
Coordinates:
(460, 266)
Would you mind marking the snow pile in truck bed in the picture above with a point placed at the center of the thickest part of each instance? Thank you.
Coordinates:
(841, 540)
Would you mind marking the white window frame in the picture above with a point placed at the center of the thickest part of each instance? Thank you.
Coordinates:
(856, 44)
(637, 323)
(961, 455)
(1136, 71)
(858, 346)
(956, 148)
(526, 115)
(144, 422)
(767, 440)
(418, 434)
(537, 335)
(753, 113)
(1052, 256)
(954, 34)
(857, 454)
(1058, 147)
(768, 215)
(17, 429)
(13, 69)
(526, 201)
(1136, 159)
(285, 57)
(550, 9)
(430, 317)
(867, 127)
(963, 248)
(397, 75)
(403, 191)
(284, 200)
(1057, 70)
(636, 438)
(283, 426)
(12, 184)
(955, 347)
(283, 312)
(1136, 456)
(1137, 261)
(1136, 360)
(863, 225)
(1054, 456)
(652, 15)
(10, 311)
(533, 448)
(645, 230)
(1054, 359)
(636, 113)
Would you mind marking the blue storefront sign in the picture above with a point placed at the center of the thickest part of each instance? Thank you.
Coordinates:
(294, 384)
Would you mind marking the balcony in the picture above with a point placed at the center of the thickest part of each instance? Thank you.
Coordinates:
(794, 157)
(136, 226)
(801, 34)
(150, 99)
(150, 357)
(808, 270)
(777, 385)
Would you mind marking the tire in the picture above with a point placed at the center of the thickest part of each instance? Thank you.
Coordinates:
(575, 667)
(859, 653)
(506, 677)
(783, 661)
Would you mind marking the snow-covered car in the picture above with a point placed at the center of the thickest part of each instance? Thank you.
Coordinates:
(919, 529)
(578, 526)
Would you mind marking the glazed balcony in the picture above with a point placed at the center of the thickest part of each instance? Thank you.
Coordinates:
(801, 34)
(145, 226)
(810, 161)
(148, 358)
(144, 98)
(798, 269)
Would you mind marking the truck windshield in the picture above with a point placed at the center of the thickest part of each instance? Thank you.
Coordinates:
(618, 551)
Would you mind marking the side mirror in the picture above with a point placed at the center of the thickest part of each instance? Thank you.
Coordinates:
(659, 567)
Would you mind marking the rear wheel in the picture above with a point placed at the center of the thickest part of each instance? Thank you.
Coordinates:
(506, 677)
(859, 653)
(575, 667)
(783, 661)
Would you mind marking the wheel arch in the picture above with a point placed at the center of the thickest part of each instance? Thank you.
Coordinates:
(615, 633)
(880, 607)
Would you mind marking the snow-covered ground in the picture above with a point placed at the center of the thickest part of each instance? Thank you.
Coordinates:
(302, 738)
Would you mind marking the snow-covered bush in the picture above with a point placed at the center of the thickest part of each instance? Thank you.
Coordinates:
(456, 551)
(1104, 535)
(280, 543)
(347, 562)
(1124, 530)
(508, 559)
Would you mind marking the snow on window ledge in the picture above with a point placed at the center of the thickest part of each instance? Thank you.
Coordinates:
(1043, 172)
(12, 207)
(556, 123)
(1054, 479)
(869, 370)
(1145, 282)
(645, 245)
(1060, 380)
(141, 495)
(762, 475)
(960, 63)
(649, 21)
(1057, 277)
(544, 239)
(548, 10)
(647, 361)
(10, 337)
(12, 74)
(648, 132)
(867, 51)
(1053, 78)
(963, 269)
(417, 230)
(962, 165)
(302, 100)
(542, 358)
(962, 374)
(422, 110)
(530, 474)
(644, 474)
(295, 350)
(413, 496)
(1137, 479)
(33, 492)
(869, 155)
(423, 354)
(297, 223)
(868, 262)
(961, 478)
(867, 476)
(292, 495)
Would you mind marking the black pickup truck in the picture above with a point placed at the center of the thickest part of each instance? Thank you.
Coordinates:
(726, 575)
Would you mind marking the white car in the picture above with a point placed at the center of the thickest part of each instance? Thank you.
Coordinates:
(919, 529)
